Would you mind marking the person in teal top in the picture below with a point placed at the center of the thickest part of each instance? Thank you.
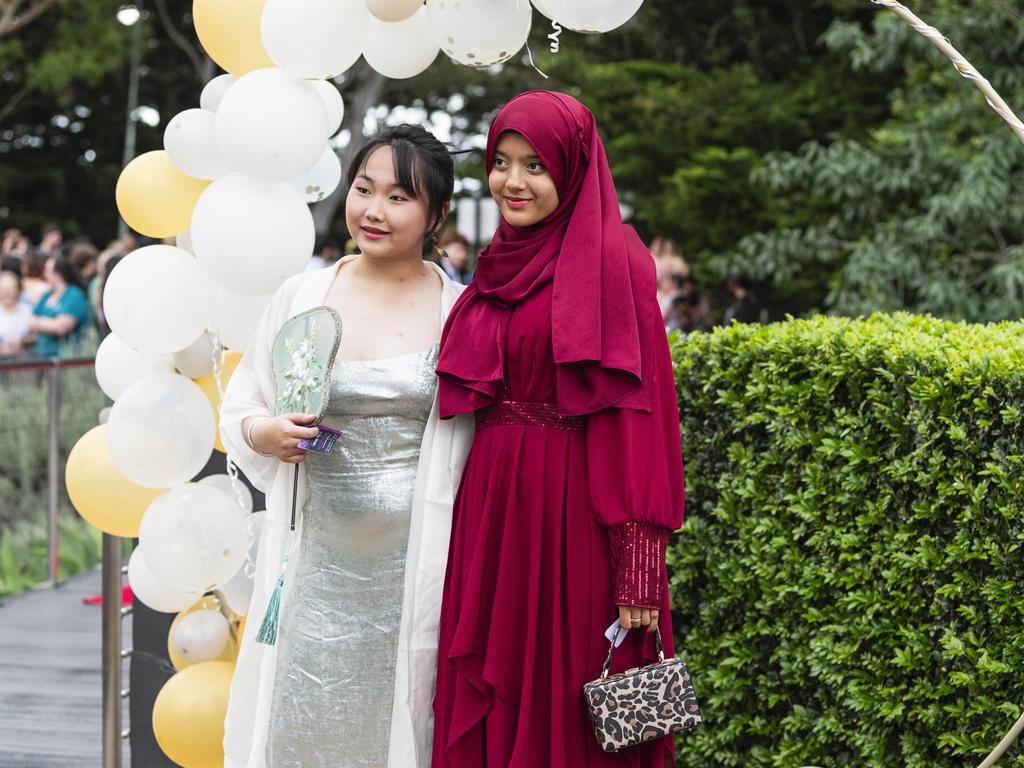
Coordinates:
(61, 314)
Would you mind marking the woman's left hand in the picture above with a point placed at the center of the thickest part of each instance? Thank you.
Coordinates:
(634, 617)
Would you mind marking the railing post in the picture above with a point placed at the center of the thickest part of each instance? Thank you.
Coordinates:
(53, 471)
(112, 655)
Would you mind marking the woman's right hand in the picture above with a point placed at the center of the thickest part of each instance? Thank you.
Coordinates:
(280, 435)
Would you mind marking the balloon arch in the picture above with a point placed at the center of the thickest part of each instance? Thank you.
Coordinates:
(232, 186)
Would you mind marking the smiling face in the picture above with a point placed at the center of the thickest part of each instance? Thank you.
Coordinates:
(519, 182)
(383, 218)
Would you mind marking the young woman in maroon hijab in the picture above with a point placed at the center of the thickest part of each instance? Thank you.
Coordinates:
(575, 479)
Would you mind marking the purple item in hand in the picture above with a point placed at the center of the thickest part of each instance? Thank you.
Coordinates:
(323, 442)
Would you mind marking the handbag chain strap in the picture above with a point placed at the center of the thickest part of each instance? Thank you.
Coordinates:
(608, 661)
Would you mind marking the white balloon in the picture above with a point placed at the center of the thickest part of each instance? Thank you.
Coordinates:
(393, 10)
(235, 317)
(592, 16)
(161, 431)
(104, 416)
(320, 180)
(314, 38)
(158, 299)
(191, 143)
(200, 636)
(480, 33)
(196, 360)
(252, 235)
(195, 537)
(152, 591)
(401, 49)
(184, 241)
(118, 366)
(215, 90)
(271, 125)
(223, 483)
(333, 103)
(238, 591)
(541, 7)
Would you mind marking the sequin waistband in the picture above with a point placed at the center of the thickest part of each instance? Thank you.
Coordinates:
(527, 414)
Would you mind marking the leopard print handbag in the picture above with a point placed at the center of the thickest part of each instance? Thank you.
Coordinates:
(641, 704)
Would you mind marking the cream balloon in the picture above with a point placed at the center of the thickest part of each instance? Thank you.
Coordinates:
(333, 103)
(320, 180)
(271, 125)
(393, 10)
(252, 235)
(214, 91)
(152, 591)
(191, 143)
(161, 431)
(592, 16)
(158, 299)
(196, 360)
(223, 483)
(194, 537)
(235, 318)
(480, 33)
(314, 38)
(401, 49)
(238, 591)
(201, 636)
(118, 366)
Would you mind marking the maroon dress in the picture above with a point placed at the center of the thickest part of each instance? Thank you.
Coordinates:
(557, 520)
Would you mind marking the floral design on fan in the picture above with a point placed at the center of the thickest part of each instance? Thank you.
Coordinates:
(302, 377)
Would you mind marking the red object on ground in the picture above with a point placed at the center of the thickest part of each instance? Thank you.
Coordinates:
(126, 597)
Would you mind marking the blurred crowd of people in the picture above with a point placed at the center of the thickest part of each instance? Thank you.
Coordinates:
(685, 307)
(51, 293)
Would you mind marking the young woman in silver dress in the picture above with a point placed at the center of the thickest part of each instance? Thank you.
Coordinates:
(349, 680)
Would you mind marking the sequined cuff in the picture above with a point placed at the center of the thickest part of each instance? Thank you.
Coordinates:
(638, 560)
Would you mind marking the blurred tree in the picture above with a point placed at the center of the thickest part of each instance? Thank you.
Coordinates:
(926, 210)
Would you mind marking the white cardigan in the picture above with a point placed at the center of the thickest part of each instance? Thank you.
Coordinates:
(251, 392)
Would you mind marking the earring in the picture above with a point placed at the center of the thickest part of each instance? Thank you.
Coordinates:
(441, 253)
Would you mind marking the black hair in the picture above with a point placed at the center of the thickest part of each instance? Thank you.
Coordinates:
(11, 264)
(63, 266)
(423, 167)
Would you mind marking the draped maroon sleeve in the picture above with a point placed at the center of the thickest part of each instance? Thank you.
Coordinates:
(636, 481)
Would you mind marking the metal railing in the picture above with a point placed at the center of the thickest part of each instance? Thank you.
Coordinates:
(31, 406)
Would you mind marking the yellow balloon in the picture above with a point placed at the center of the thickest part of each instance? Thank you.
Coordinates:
(155, 198)
(208, 384)
(208, 603)
(101, 494)
(230, 32)
(188, 715)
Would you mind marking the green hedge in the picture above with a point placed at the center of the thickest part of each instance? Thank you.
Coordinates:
(848, 583)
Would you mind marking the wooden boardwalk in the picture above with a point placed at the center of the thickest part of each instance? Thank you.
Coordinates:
(50, 686)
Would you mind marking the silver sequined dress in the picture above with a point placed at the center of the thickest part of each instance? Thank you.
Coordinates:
(338, 636)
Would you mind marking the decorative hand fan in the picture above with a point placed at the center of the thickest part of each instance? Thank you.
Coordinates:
(302, 358)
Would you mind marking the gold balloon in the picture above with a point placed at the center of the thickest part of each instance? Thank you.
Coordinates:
(208, 603)
(155, 198)
(230, 32)
(208, 384)
(101, 494)
(188, 715)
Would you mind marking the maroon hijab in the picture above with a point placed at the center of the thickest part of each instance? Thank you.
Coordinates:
(603, 305)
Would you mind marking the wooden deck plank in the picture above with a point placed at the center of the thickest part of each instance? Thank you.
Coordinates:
(50, 684)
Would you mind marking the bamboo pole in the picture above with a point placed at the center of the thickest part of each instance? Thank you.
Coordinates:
(963, 66)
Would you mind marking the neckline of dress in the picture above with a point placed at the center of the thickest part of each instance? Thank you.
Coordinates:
(393, 357)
